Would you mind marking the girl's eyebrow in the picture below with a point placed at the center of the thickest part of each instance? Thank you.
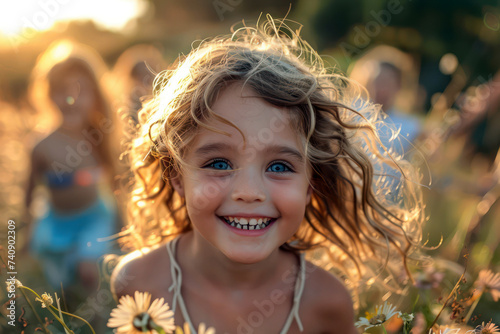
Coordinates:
(283, 149)
(213, 148)
(271, 149)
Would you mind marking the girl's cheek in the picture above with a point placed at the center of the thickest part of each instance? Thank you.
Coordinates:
(290, 193)
(57, 98)
(287, 185)
(203, 195)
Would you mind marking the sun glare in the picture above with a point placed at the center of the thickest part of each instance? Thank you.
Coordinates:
(27, 16)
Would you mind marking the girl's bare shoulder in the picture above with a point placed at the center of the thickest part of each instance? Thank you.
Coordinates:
(326, 302)
(48, 142)
(145, 270)
(43, 149)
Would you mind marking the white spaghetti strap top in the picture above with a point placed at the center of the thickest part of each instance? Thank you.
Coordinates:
(176, 274)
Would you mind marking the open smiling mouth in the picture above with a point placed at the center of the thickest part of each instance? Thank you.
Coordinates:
(248, 223)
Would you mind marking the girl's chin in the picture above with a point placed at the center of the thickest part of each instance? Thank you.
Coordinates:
(250, 257)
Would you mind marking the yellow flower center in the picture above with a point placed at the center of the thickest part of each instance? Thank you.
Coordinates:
(378, 319)
(142, 321)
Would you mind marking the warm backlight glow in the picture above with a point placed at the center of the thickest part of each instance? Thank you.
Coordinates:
(18, 18)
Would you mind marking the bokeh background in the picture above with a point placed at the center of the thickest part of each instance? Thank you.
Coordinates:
(447, 52)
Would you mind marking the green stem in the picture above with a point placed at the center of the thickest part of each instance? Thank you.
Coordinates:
(156, 327)
(35, 312)
(59, 310)
(383, 327)
(61, 321)
(472, 308)
(159, 330)
(48, 308)
(77, 317)
(449, 297)
(31, 290)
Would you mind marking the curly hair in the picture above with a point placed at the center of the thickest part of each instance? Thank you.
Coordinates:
(360, 214)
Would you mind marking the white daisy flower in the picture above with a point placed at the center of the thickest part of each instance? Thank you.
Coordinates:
(489, 328)
(202, 329)
(487, 280)
(444, 330)
(379, 317)
(406, 317)
(138, 315)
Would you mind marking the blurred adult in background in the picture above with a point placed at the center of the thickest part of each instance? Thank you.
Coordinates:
(132, 80)
(76, 163)
(391, 78)
(131, 83)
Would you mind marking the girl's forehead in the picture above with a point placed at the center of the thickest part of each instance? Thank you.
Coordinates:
(71, 73)
(71, 81)
(242, 118)
(238, 101)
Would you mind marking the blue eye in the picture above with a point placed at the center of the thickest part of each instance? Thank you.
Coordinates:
(279, 167)
(218, 164)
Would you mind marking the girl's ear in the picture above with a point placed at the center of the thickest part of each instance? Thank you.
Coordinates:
(177, 184)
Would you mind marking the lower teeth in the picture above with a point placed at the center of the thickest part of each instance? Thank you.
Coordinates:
(248, 227)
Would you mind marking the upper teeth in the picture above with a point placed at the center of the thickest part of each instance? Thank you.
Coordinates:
(248, 223)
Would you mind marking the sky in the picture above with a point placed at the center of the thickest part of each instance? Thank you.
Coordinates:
(24, 16)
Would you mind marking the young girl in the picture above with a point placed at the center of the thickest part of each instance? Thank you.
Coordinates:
(251, 156)
(75, 164)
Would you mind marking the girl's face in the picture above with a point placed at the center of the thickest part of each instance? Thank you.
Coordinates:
(73, 92)
(246, 201)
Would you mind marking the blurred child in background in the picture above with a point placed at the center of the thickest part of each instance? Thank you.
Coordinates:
(133, 76)
(75, 163)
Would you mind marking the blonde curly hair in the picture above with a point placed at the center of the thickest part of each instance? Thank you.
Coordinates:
(359, 218)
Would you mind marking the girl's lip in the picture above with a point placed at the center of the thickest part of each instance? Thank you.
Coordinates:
(248, 233)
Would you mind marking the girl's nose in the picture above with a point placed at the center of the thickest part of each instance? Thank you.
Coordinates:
(248, 186)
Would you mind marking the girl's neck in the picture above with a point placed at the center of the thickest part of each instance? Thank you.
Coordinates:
(75, 121)
(211, 264)
(70, 133)
(71, 129)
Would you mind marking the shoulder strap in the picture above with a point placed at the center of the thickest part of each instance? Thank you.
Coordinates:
(176, 274)
(299, 289)
(177, 283)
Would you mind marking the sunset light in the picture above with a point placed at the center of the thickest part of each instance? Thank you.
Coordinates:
(250, 166)
(27, 16)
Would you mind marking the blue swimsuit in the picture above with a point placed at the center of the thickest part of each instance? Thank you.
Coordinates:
(62, 240)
